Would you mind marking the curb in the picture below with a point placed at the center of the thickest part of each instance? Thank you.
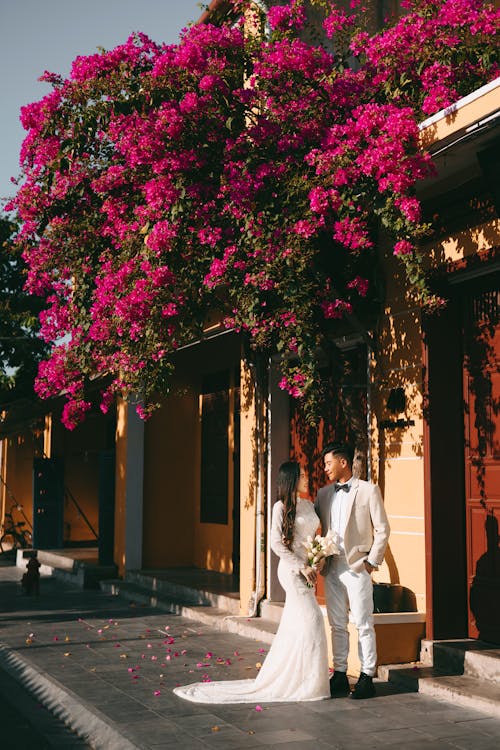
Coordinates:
(85, 720)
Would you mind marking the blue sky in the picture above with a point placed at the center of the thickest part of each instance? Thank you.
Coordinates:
(38, 35)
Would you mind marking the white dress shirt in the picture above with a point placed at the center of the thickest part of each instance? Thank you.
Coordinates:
(339, 513)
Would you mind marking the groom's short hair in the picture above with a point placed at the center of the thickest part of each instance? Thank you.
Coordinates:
(339, 449)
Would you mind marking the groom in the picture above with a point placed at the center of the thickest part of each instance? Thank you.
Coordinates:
(354, 510)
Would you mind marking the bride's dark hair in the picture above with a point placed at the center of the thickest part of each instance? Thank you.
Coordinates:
(286, 491)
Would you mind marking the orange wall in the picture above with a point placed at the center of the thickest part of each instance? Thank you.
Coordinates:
(17, 473)
(398, 459)
(173, 533)
(171, 456)
(80, 449)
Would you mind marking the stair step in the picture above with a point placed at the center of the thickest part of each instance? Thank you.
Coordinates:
(220, 619)
(160, 585)
(467, 656)
(463, 690)
(77, 572)
(406, 676)
(483, 664)
(271, 610)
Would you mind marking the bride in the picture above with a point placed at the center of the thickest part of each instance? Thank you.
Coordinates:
(296, 667)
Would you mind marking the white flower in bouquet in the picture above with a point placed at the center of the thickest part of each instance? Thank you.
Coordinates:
(329, 544)
(320, 547)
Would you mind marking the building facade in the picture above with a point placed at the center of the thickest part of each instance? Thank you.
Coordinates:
(194, 485)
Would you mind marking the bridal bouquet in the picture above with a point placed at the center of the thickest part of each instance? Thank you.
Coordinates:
(320, 547)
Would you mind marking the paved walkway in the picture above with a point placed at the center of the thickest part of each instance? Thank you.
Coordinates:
(107, 668)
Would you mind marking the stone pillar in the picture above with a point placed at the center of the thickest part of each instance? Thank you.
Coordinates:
(129, 488)
(248, 481)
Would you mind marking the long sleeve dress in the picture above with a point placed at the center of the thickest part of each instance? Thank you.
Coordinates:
(296, 667)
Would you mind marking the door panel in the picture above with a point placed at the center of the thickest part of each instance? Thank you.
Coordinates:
(48, 503)
(215, 448)
(482, 462)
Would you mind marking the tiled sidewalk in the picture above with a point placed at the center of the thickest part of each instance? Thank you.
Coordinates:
(108, 668)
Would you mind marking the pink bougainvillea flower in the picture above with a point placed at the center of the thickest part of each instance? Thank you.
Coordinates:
(403, 247)
(234, 173)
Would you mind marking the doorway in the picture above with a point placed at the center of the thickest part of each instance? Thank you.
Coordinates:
(220, 466)
(481, 378)
(463, 463)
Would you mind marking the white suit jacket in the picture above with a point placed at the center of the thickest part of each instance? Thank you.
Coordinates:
(367, 528)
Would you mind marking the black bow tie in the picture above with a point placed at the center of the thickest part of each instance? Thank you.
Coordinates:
(344, 487)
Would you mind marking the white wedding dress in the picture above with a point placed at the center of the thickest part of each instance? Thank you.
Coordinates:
(296, 667)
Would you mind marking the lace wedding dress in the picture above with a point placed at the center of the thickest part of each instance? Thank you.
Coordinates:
(296, 667)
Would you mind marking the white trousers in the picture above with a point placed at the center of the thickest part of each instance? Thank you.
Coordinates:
(346, 590)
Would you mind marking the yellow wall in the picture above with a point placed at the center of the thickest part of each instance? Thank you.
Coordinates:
(398, 639)
(171, 459)
(173, 533)
(397, 642)
(17, 473)
(80, 449)
(398, 464)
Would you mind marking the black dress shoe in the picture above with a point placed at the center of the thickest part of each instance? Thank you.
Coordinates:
(339, 685)
(364, 687)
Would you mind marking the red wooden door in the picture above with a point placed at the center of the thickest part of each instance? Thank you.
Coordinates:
(482, 462)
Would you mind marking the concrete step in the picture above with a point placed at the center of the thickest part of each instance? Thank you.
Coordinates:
(220, 619)
(484, 665)
(466, 656)
(271, 610)
(166, 587)
(465, 672)
(462, 690)
(77, 572)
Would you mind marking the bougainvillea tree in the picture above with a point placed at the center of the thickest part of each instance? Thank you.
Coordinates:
(236, 170)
